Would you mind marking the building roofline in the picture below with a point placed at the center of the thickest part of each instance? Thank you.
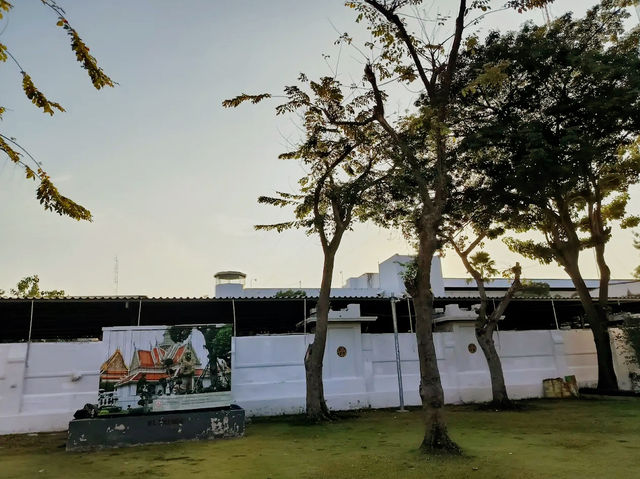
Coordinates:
(146, 299)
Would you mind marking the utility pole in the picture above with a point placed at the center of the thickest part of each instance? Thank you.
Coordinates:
(398, 360)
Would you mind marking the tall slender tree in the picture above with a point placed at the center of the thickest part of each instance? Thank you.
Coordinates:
(481, 268)
(344, 157)
(432, 65)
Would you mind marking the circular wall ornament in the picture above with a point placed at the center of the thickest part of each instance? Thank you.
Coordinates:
(472, 348)
(342, 351)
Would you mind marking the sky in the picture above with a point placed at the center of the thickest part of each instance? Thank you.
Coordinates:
(170, 176)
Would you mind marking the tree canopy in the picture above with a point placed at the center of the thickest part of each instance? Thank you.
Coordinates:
(549, 123)
(554, 123)
(29, 288)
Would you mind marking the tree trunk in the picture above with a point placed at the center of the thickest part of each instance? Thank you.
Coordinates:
(599, 324)
(436, 437)
(485, 327)
(317, 409)
(605, 276)
(500, 399)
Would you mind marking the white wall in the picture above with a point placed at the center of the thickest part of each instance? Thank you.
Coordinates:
(268, 373)
(41, 392)
(364, 281)
(43, 384)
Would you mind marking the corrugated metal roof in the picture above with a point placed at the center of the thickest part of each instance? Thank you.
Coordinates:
(270, 298)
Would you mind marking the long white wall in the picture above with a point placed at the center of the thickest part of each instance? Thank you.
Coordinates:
(268, 375)
(43, 384)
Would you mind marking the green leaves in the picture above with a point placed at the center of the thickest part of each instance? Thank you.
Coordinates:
(492, 75)
(336, 152)
(548, 120)
(482, 262)
(531, 249)
(4, 6)
(534, 288)
(243, 97)
(29, 287)
(37, 97)
(51, 199)
(13, 155)
(89, 63)
(524, 5)
(47, 193)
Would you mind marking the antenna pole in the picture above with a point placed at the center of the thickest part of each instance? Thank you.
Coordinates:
(115, 274)
(546, 15)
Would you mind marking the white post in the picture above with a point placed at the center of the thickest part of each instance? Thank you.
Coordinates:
(398, 365)
(233, 306)
(139, 311)
(304, 319)
(555, 316)
(26, 360)
(410, 320)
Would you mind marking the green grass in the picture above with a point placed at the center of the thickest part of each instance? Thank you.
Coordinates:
(548, 439)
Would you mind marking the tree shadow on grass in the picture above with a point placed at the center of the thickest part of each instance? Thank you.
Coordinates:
(303, 420)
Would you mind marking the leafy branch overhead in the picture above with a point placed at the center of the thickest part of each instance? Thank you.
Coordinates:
(237, 101)
(339, 151)
(88, 61)
(37, 97)
(47, 193)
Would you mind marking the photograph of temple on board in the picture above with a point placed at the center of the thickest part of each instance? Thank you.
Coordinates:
(164, 368)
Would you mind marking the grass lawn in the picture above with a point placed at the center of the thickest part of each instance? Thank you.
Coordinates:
(585, 438)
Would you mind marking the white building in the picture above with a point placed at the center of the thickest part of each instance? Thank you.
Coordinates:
(387, 282)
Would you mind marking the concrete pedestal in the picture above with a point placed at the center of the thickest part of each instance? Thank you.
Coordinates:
(155, 427)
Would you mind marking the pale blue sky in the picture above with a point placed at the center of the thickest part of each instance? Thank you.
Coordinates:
(170, 176)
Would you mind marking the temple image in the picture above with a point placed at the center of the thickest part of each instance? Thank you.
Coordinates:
(113, 370)
(166, 368)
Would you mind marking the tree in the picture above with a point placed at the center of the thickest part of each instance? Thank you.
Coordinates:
(341, 152)
(217, 342)
(402, 56)
(481, 267)
(29, 287)
(47, 193)
(467, 222)
(551, 124)
(427, 165)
